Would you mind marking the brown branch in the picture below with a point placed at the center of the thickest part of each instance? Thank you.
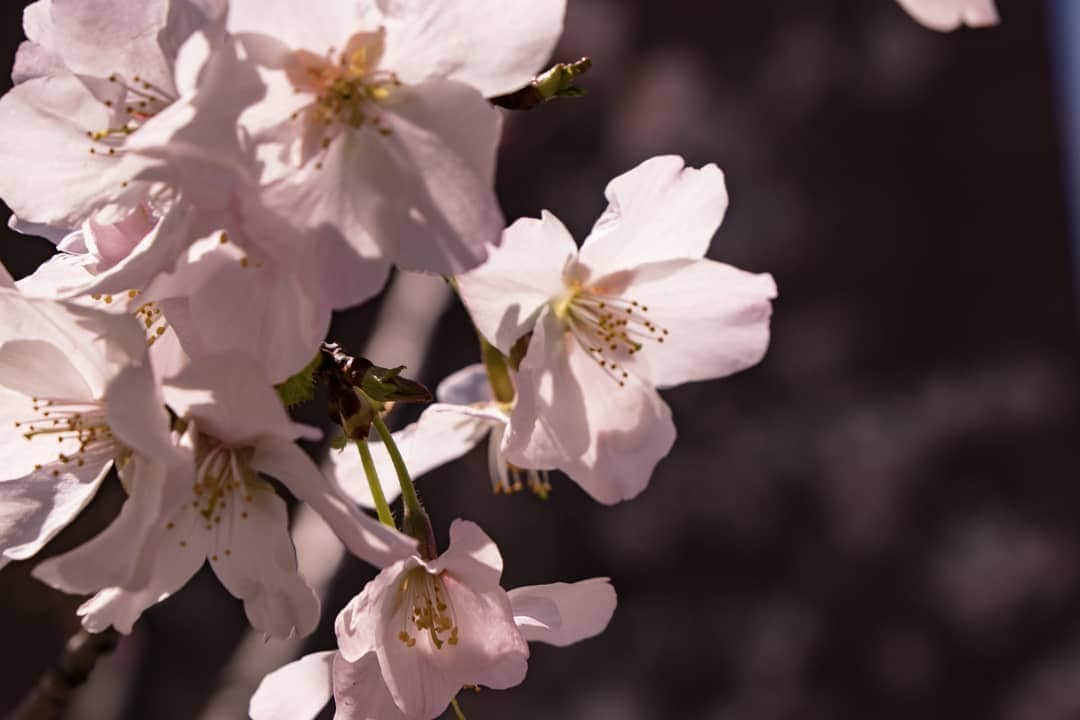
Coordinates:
(51, 696)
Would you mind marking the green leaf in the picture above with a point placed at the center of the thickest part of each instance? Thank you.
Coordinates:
(300, 388)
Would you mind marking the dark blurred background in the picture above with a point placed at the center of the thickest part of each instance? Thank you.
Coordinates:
(882, 520)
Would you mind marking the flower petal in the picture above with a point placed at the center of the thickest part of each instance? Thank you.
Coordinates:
(466, 386)
(174, 564)
(231, 398)
(359, 623)
(135, 413)
(297, 691)
(423, 191)
(35, 507)
(504, 294)
(606, 432)
(101, 37)
(56, 113)
(494, 45)
(364, 536)
(716, 315)
(359, 691)
(472, 557)
(660, 210)
(254, 307)
(315, 26)
(36, 368)
(948, 15)
(423, 679)
(118, 555)
(254, 557)
(563, 613)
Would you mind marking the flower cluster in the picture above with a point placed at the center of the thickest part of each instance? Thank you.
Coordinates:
(218, 177)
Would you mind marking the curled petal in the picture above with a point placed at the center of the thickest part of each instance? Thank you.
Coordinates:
(563, 613)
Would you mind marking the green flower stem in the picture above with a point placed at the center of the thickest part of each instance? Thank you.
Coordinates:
(415, 521)
(457, 709)
(498, 371)
(408, 490)
(381, 506)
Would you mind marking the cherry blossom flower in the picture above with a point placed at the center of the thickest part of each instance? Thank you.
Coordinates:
(422, 629)
(215, 300)
(465, 415)
(638, 307)
(75, 397)
(375, 131)
(93, 74)
(948, 15)
(218, 508)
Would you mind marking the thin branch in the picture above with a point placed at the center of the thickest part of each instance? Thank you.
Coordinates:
(53, 693)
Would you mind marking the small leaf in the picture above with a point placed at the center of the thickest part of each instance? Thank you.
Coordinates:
(300, 388)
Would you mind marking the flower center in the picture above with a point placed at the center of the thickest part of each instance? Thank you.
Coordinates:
(609, 327)
(140, 100)
(431, 610)
(222, 474)
(78, 426)
(348, 88)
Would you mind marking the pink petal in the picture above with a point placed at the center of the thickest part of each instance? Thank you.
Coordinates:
(660, 210)
(297, 691)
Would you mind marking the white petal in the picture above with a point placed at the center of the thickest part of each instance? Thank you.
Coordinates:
(56, 113)
(660, 210)
(423, 194)
(231, 399)
(359, 624)
(96, 344)
(315, 26)
(101, 37)
(241, 305)
(490, 649)
(360, 693)
(494, 45)
(297, 691)
(173, 566)
(6, 280)
(135, 413)
(156, 252)
(466, 386)
(716, 315)
(37, 368)
(34, 508)
(576, 416)
(254, 557)
(364, 536)
(504, 294)
(118, 555)
(563, 613)
(472, 557)
(948, 15)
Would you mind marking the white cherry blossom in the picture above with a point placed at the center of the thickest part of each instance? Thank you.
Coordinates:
(219, 509)
(92, 75)
(638, 307)
(948, 15)
(422, 629)
(374, 132)
(75, 396)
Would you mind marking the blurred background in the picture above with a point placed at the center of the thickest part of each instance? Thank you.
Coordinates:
(880, 520)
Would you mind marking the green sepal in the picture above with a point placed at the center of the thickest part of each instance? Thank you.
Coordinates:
(300, 388)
